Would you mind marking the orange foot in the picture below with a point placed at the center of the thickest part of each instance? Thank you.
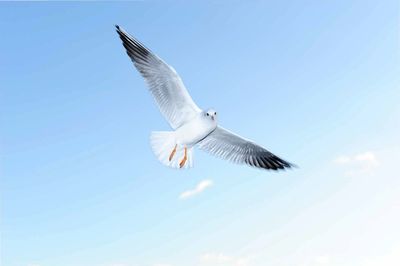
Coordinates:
(182, 163)
(172, 153)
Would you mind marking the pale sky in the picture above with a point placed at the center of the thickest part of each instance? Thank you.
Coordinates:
(316, 82)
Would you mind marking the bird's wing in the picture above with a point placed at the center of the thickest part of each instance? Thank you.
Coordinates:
(227, 145)
(165, 84)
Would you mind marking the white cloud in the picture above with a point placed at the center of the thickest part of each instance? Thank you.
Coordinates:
(222, 259)
(322, 260)
(364, 162)
(368, 158)
(198, 189)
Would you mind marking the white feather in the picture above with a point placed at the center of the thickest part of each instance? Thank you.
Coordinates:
(163, 143)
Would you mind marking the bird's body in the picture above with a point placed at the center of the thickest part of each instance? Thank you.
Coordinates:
(191, 125)
(181, 141)
(195, 130)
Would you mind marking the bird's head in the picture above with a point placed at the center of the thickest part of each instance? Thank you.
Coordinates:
(210, 114)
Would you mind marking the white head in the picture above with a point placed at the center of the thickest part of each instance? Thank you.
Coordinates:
(210, 114)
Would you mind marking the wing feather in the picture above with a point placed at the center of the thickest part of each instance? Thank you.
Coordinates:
(165, 85)
(229, 146)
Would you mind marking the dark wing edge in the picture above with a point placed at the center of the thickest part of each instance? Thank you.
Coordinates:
(135, 50)
(167, 88)
(229, 146)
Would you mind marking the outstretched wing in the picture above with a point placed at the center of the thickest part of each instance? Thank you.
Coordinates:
(165, 85)
(229, 146)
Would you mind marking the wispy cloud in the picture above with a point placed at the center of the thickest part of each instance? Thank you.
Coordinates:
(364, 162)
(198, 189)
(223, 259)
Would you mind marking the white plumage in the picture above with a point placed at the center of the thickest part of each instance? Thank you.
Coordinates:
(191, 126)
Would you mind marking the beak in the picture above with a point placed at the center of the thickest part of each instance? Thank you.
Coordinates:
(212, 117)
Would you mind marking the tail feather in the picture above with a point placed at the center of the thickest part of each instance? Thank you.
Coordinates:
(163, 143)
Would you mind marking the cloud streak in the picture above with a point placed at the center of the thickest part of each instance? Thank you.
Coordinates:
(364, 162)
(223, 259)
(200, 187)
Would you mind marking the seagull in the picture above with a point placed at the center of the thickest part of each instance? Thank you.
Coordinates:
(191, 125)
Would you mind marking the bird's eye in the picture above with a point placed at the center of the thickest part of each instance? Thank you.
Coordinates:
(208, 114)
(215, 113)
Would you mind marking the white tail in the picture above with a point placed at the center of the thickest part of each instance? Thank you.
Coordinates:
(163, 143)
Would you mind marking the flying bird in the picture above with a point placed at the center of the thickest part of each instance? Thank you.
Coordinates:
(191, 125)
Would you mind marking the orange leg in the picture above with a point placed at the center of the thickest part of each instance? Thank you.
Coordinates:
(172, 153)
(182, 163)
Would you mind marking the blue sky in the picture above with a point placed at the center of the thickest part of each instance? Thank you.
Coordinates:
(316, 82)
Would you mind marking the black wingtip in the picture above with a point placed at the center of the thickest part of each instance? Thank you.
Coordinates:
(290, 165)
(117, 26)
(281, 164)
